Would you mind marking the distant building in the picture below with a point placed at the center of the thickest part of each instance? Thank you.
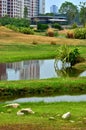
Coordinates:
(54, 9)
(15, 8)
(42, 7)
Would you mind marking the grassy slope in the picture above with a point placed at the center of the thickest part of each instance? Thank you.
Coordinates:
(8, 36)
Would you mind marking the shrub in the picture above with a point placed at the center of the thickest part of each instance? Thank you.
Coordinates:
(74, 26)
(50, 32)
(80, 33)
(57, 26)
(70, 34)
(21, 29)
(67, 55)
(26, 30)
(42, 26)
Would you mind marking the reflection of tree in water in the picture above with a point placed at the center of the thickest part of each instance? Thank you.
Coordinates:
(65, 70)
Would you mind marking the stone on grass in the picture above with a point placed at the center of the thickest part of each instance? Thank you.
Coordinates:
(20, 113)
(25, 111)
(13, 105)
(51, 118)
(66, 115)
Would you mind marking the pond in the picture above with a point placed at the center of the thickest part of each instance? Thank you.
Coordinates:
(62, 98)
(36, 69)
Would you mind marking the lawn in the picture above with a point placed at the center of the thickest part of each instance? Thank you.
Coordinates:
(42, 120)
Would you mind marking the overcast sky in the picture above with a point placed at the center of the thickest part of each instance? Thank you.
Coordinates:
(48, 3)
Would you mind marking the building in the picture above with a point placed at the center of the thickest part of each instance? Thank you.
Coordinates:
(54, 9)
(15, 8)
(12, 8)
(42, 7)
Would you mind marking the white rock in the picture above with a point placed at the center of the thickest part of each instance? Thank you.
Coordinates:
(26, 111)
(51, 118)
(66, 115)
(14, 105)
(20, 113)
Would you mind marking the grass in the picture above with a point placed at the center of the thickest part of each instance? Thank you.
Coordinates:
(40, 120)
(43, 87)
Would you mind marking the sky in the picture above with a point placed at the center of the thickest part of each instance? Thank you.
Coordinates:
(58, 3)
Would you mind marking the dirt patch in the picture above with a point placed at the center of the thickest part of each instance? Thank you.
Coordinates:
(35, 127)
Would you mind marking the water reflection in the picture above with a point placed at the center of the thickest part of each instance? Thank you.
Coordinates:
(36, 69)
(62, 98)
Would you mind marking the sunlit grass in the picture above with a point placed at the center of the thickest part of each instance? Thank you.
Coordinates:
(43, 111)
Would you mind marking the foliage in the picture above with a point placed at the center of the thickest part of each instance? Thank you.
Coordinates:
(70, 34)
(66, 54)
(26, 30)
(74, 25)
(80, 33)
(14, 21)
(83, 12)
(57, 26)
(69, 9)
(42, 26)
(21, 29)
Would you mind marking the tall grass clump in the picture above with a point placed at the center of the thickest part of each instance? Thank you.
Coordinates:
(80, 33)
(66, 54)
(51, 33)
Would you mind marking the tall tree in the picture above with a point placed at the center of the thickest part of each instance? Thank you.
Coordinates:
(70, 10)
(83, 13)
(25, 12)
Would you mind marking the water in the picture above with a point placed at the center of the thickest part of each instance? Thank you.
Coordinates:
(36, 69)
(62, 98)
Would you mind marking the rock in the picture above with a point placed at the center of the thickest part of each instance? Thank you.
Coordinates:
(66, 115)
(20, 113)
(51, 118)
(14, 105)
(25, 111)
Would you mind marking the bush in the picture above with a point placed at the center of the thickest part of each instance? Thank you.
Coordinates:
(21, 29)
(18, 22)
(42, 26)
(57, 26)
(74, 26)
(70, 34)
(80, 33)
(67, 55)
(51, 33)
(26, 30)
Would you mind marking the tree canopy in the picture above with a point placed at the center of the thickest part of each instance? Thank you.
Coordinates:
(70, 10)
(83, 13)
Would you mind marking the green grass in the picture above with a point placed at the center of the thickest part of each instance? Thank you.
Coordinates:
(43, 111)
(17, 52)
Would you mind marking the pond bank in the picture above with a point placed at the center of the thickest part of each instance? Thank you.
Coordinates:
(42, 87)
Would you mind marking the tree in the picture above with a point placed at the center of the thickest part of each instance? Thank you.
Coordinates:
(25, 12)
(70, 10)
(83, 13)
